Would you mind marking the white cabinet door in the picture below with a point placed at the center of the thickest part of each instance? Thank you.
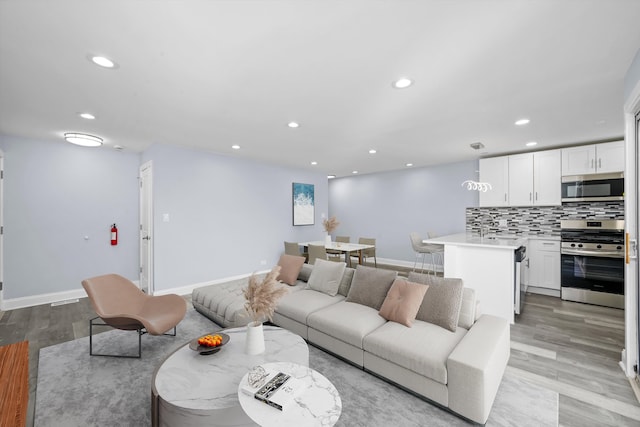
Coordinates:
(494, 171)
(547, 178)
(521, 180)
(579, 160)
(544, 264)
(610, 157)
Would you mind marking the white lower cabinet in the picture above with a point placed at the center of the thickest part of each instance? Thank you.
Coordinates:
(544, 266)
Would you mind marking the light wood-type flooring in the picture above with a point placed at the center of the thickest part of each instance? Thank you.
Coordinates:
(571, 348)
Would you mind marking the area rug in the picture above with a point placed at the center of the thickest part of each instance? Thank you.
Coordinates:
(75, 389)
(14, 383)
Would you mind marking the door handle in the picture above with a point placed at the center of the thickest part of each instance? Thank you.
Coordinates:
(146, 238)
(631, 248)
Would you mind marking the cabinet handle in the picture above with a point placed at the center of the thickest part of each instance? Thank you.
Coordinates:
(591, 163)
(536, 195)
(505, 197)
(529, 195)
(600, 163)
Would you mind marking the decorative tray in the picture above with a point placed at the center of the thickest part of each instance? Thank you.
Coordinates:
(203, 349)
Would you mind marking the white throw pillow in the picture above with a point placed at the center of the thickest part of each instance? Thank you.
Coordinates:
(326, 276)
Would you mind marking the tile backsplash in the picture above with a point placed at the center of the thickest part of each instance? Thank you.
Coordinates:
(539, 220)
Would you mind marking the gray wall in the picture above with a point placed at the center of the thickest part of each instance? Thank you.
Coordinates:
(389, 206)
(226, 215)
(632, 77)
(55, 194)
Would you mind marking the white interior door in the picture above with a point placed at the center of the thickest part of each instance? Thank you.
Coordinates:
(1, 226)
(146, 228)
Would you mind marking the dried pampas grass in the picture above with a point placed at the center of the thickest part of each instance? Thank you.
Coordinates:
(330, 224)
(262, 297)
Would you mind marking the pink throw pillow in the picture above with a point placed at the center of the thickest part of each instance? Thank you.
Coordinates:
(403, 301)
(290, 266)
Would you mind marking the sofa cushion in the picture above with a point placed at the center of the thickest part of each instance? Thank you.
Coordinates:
(424, 348)
(442, 302)
(468, 308)
(290, 266)
(298, 305)
(345, 283)
(370, 286)
(403, 301)
(326, 276)
(349, 322)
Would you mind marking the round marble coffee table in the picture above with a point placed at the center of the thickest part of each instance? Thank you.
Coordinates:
(189, 389)
(318, 405)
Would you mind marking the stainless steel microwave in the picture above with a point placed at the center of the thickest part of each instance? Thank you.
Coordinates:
(593, 188)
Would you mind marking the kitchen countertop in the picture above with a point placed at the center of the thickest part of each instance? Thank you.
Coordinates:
(473, 239)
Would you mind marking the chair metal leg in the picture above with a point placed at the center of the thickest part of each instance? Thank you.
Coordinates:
(140, 332)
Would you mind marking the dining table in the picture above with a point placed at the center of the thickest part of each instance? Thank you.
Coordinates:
(343, 248)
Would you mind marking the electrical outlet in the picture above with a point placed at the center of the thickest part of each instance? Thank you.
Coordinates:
(502, 223)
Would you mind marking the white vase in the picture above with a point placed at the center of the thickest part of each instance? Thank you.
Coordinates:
(327, 239)
(254, 343)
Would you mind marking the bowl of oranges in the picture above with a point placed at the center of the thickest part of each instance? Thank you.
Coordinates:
(210, 343)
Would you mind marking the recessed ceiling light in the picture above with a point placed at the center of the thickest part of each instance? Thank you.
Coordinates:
(293, 124)
(354, 172)
(331, 176)
(103, 61)
(87, 116)
(235, 147)
(409, 165)
(402, 83)
(522, 122)
(531, 143)
(372, 151)
(83, 139)
(314, 163)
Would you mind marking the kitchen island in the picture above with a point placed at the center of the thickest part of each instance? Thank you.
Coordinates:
(485, 264)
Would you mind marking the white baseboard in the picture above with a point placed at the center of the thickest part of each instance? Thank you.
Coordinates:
(30, 301)
(187, 289)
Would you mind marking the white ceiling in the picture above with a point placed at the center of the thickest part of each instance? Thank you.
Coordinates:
(209, 74)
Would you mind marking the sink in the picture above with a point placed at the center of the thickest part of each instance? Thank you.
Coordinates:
(505, 238)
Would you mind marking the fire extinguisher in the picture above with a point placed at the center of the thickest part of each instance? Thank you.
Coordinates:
(114, 235)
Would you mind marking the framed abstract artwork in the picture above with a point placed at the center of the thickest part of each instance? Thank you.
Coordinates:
(303, 204)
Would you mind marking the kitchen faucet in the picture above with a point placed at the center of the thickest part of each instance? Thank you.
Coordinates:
(484, 225)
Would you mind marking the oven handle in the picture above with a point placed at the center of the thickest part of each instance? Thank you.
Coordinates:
(582, 252)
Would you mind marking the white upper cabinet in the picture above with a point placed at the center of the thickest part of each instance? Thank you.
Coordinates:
(596, 158)
(521, 180)
(610, 157)
(547, 178)
(494, 171)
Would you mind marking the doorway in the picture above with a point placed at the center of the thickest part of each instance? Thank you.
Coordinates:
(146, 228)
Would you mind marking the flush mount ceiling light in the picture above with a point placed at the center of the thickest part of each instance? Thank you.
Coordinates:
(402, 83)
(87, 116)
(354, 172)
(531, 143)
(522, 122)
(314, 163)
(102, 61)
(83, 139)
(235, 147)
(373, 151)
(331, 176)
(477, 145)
(409, 165)
(293, 124)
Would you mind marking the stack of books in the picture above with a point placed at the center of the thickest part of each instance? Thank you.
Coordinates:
(277, 390)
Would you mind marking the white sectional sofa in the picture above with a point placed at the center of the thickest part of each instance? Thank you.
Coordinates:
(457, 361)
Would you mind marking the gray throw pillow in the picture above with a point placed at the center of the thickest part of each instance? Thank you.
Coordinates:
(345, 283)
(305, 272)
(442, 302)
(326, 276)
(370, 286)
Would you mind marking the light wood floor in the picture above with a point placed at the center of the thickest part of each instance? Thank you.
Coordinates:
(571, 348)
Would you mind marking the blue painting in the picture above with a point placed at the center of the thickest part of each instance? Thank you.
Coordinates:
(303, 204)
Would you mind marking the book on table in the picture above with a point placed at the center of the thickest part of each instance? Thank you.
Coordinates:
(278, 390)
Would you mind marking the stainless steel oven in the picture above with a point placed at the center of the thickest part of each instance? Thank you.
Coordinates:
(592, 261)
(591, 188)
